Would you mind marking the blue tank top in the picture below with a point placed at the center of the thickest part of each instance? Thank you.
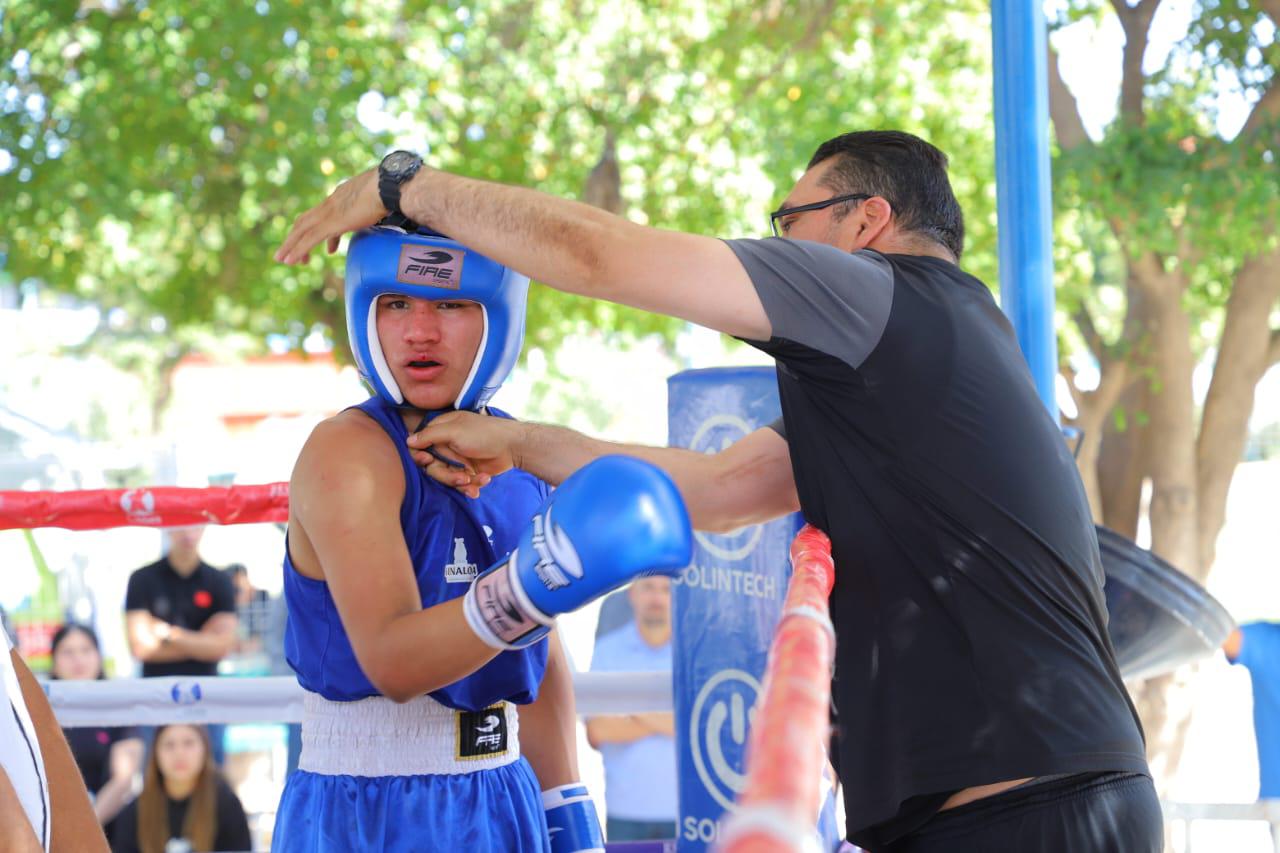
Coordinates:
(450, 538)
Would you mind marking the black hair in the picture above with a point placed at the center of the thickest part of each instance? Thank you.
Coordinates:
(904, 169)
(67, 630)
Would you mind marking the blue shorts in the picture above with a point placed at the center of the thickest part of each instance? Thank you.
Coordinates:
(488, 811)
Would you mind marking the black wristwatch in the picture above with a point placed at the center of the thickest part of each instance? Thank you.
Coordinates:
(396, 168)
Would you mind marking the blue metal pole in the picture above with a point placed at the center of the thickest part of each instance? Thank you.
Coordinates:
(1019, 56)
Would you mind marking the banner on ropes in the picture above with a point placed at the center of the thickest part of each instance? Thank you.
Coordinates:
(725, 605)
(153, 506)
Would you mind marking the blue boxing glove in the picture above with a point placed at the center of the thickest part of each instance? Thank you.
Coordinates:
(572, 822)
(611, 521)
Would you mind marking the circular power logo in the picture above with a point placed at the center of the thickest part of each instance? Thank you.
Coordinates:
(713, 435)
(722, 716)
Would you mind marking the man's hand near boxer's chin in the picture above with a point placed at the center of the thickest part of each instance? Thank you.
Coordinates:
(483, 445)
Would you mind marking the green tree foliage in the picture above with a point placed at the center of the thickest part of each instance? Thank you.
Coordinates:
(1168, 251)
(1167, 254)
(157, 151)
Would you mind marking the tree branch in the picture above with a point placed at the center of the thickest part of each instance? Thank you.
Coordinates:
(1245, 348)
(1273, 350)
(813, 30)
(1190, 253)
(1268, 106)
(1136, 22)
(1069, 373)
(1089, 331)
(1064, 109)
(1272, 8)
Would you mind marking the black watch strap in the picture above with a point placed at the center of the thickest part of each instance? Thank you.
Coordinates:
(394, 170)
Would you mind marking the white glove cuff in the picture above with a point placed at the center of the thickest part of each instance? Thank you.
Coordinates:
(500, 613)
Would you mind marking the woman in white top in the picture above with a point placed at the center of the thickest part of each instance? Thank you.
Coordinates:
(43, 802)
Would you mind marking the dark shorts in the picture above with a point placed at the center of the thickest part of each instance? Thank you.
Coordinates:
(1086, 813)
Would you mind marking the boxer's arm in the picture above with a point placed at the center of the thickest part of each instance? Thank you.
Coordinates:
(749, 482)
(345, 500)
(74, 825)
(549, 726)
(549, 740)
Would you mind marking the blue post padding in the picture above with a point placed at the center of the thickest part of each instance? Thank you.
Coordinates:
(1019, 56)
(725, 605)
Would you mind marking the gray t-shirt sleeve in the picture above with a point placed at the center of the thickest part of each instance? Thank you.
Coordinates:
(780, 427)
(817, 295)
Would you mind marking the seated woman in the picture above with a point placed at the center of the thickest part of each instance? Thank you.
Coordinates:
(108, 756)
(184, 800)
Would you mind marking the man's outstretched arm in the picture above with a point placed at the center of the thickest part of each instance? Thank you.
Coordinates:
(747, 483)
(564, 244)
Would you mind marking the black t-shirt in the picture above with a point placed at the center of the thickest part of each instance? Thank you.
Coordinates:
(233, 826)
(186, 602)
(91, 748)
(968, 606)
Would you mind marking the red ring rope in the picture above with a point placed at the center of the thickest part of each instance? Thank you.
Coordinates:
(152, 506)
(778, 809)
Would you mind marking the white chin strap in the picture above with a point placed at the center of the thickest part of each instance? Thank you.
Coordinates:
(380, 366)
(475, 362)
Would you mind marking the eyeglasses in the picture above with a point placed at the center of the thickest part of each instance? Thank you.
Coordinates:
(817, 205)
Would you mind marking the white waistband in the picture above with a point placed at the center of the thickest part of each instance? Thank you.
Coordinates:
(378, 737)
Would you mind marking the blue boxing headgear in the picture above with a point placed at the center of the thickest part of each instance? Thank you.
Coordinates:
(425, 265)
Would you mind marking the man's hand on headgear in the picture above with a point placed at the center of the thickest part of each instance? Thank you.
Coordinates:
(353, 205)
(481, 443)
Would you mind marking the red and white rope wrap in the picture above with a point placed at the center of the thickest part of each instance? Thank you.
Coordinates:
(152, 506)
(778, 809)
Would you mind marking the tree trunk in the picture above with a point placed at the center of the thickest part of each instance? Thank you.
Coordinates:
(1165, 703)
(1094, 409)
(1243, 357)
(1171, 458)
(1122, 463)
(164, 384)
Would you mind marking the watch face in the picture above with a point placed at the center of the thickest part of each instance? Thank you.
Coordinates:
(399, 161)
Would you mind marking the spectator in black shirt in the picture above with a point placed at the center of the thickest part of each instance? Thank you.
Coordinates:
(181, 612)
(109, 757)
(185, 804)
(974, 676)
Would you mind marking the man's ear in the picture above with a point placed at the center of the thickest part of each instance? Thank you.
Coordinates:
(874, 219)
(876, 216)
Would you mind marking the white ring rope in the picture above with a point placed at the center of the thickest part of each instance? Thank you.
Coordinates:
(278, 699)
